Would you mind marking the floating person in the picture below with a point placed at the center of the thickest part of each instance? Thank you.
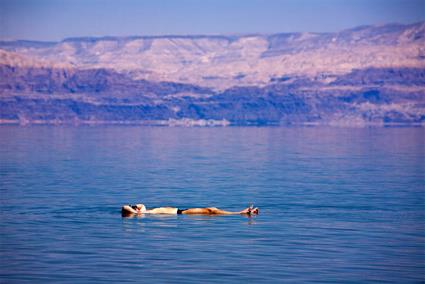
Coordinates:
(128, 210)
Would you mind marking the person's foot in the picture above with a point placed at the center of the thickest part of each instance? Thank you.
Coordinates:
(250, 210)
(255, 211)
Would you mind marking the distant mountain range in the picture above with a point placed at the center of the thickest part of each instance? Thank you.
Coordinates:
(366, 75)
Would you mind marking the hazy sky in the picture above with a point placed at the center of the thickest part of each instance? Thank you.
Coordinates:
(58, 19)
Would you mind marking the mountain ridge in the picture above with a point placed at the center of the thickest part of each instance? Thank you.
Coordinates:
(365, 75)
(223, 61)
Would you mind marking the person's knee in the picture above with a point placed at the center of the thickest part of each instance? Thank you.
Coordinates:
(213, 210)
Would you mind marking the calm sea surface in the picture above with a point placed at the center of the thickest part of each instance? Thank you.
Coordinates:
(338, 205)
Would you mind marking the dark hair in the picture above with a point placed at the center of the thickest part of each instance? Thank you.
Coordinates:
(134, 207)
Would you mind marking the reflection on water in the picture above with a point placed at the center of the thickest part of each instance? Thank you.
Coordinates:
(337, 205)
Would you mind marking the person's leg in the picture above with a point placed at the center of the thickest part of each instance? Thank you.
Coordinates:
(206, 211)
(216, 211)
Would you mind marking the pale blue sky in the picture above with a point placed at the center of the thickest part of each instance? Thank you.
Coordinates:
(58, 19)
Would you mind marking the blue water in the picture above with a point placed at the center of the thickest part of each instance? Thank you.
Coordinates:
(338, 205)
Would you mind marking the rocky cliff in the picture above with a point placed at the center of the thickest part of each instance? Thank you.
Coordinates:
(366, 75)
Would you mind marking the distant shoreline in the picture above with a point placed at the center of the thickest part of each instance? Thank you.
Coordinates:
(199, 123)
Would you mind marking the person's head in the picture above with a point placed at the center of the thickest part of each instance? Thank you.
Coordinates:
(141, 208)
